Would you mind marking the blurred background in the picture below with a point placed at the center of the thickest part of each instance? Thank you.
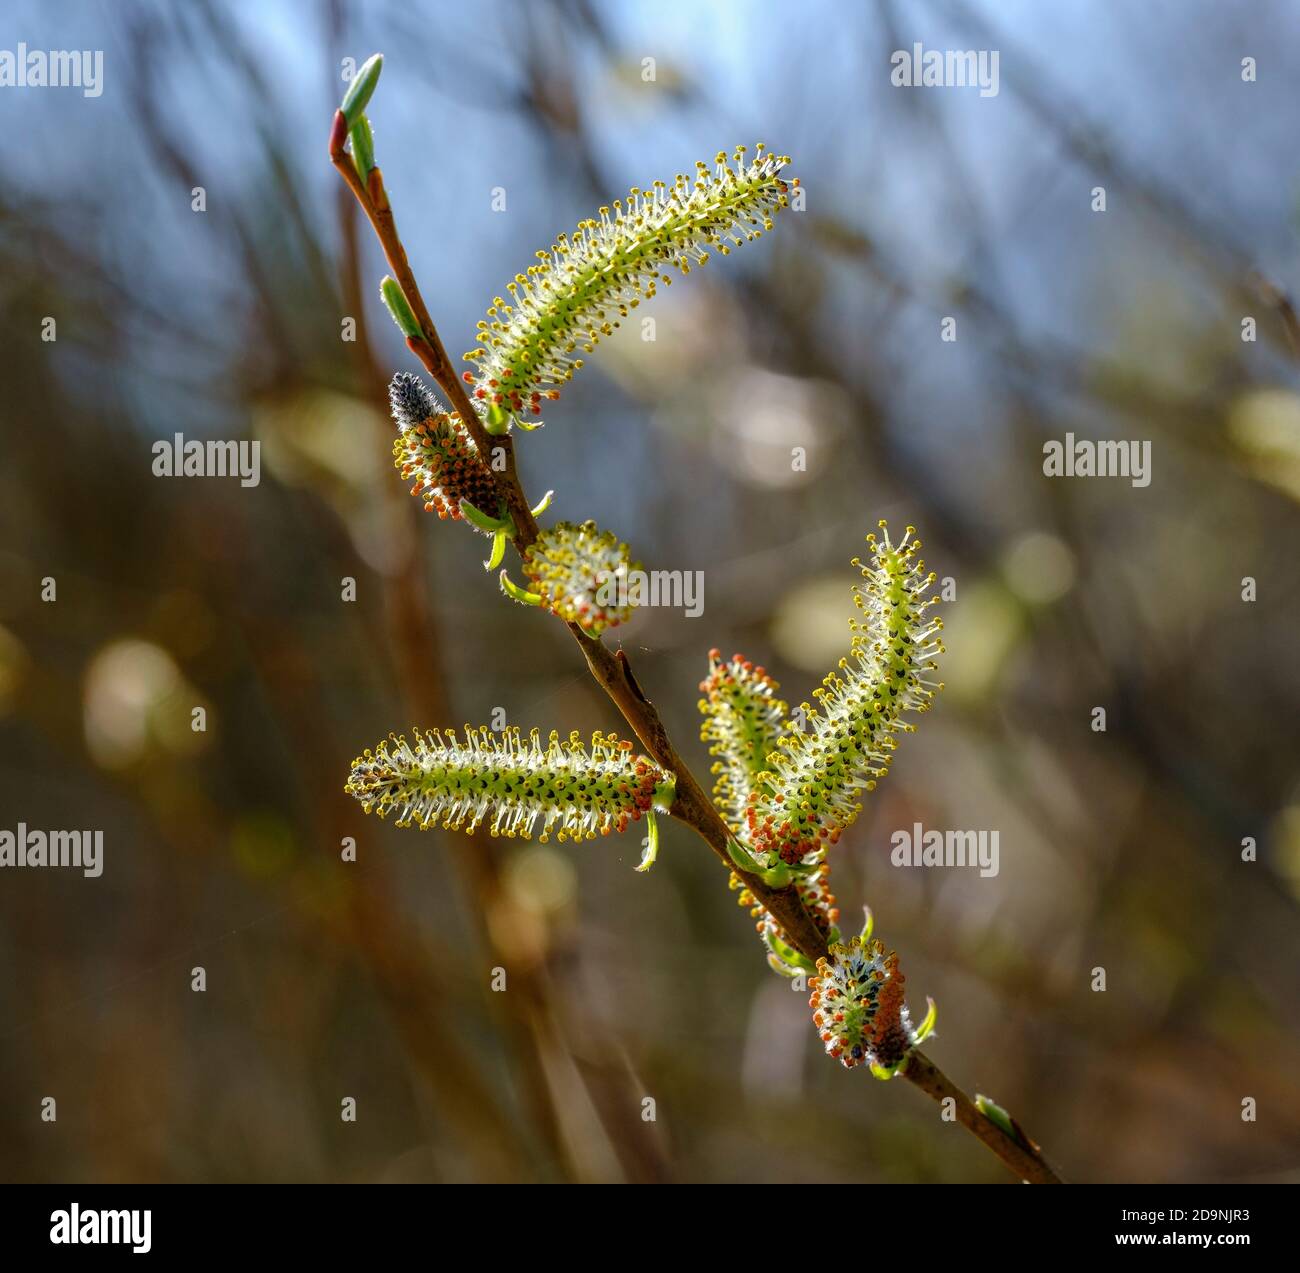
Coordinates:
(328, 979)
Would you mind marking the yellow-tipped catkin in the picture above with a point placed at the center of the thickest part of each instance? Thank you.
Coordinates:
(743, 721)
(858, 1008)
(434, 451)
(515, 784)
(582, 575)
(811, 790)
(580, 290)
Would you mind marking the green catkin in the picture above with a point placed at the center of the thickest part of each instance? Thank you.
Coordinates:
(743, 721)
(582, 574)
(858, 1008)
(809, 794)
(580, 290)
(435, 452)
(513, 784)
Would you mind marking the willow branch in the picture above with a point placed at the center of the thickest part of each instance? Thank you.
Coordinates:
(613, 672)
(1020, 1154)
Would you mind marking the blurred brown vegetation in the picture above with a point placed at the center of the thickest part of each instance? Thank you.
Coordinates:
(222, 849)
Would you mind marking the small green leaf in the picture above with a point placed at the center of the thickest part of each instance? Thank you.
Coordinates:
(516, 593)
(740, 856)
(399, 308)
(788, 955)
(484, 521)
(664, 794)
(362, 86)
(926, 1028)
(996, 1114)
(868, 923)
(651, 842)
(498, 550)
(777, 966)
(363, 147)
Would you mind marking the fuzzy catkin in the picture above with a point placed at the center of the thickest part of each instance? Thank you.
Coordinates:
(513, 783)
(435, 452)
(580, 290)
(858, 1006)
(810, 792)
(582, 575)
(743, 721)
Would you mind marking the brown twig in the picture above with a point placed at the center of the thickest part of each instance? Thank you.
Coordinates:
(613, 672)
(1279, 300)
